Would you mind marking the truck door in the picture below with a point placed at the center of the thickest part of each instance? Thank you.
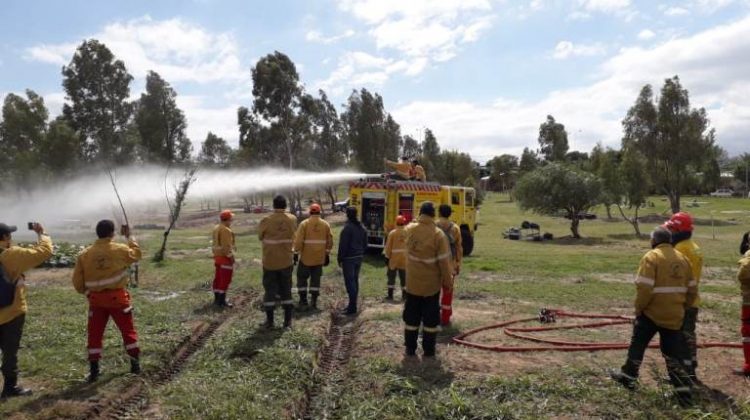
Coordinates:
(406, 206)
(457, 205)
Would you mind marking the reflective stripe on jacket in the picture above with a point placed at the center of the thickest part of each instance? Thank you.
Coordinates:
(16, 260)
(313, 241)
(276, 232)
(690, 249)
(223, 245)
(429, 264)
(665, 286)
(395, 249)
(104, 265)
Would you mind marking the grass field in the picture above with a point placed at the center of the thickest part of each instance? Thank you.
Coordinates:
(243, 372)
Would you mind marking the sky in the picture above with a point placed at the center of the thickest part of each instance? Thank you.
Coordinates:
(481, 74)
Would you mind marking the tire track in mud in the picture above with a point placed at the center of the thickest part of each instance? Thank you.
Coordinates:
(333, 358)
(133, 400)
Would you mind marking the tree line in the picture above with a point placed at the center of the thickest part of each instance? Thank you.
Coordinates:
(667, 148)
(283, 126)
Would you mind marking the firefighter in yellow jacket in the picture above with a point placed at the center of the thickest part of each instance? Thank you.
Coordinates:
(223, 250)
(744, 278)
(428, 269)
(312, 249)
(276, 233)
(14, 261)
(681, 227)
(453, 233)
(395, 257)
(665, 288)
(101, 273)
(404, 169)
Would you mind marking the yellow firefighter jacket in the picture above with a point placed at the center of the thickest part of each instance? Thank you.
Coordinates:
(744, 277)
(419, 173)
(665, 287)
(429, 266)
(313, 241)
(276, 231)
(403, 169)
(451, 228)
(694, 255)
(104, 265)
(395, 249)
(16, 260)
(223, 242)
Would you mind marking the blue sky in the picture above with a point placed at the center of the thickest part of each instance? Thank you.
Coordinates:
(483, 74)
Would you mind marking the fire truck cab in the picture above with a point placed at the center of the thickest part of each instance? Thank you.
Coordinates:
(379, 201)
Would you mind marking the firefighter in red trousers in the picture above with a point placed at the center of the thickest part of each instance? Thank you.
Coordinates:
(101, 272)
(681, 227)
(223, 248)
(744, 277)
(453, 233)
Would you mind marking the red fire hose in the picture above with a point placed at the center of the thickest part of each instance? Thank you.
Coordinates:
(561, 345)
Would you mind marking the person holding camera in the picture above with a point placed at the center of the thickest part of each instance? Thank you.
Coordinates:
(14, 261)
(101, 273)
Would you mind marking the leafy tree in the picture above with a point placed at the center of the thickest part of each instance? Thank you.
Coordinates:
(411, 147)
(431, 156)
(161, 124)
(371, 133)
(256, 140)
(741, 169)
(529, 161)
(503, 172)
(605, 164)
(579, 159)
(553, 140)
(22, 132)
(634, 185)
(674, 138)
(97, 88)
(277, 94)
(556, 188)
(457, 168)
(215, 151)
(60, 151)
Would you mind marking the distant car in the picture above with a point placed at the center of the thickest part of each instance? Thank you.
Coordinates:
(340, 205)
(722, 192)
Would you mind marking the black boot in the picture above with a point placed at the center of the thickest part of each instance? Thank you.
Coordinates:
(135, 366)
(410, 342)
(288, 316)
(390, 294)
(223, 301)
(269, 319)
(314, 301)
(303, 299)
(11, 388)
(93, 372)
(217, 299)
(429, 340)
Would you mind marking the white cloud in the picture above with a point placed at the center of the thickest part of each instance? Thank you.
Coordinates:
(315, 36)
(567, 49)
(710, 64)
(676, 11)
(605, 6)
(419, 31)
(578, 15)
(176, 49)
(357, 69)
(646, 34)
(202, 118)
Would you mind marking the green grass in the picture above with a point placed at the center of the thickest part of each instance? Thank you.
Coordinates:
(243, 372)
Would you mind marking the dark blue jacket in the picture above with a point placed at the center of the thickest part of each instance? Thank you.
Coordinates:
(352, 242)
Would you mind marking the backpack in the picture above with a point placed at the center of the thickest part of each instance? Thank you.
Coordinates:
(451, 239)
(7, 288)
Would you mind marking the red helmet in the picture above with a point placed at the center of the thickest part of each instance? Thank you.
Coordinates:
(226, 215)
(400, 220)
(315, 208)
(680, 222)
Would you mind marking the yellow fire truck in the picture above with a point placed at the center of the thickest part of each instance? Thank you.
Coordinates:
(379, 201)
